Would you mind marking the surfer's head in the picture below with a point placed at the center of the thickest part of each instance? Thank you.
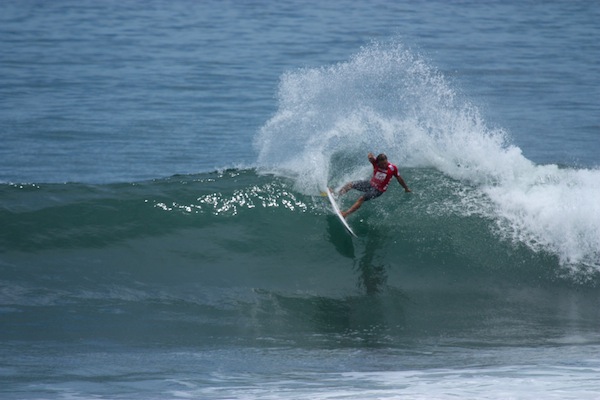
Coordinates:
(382, 160)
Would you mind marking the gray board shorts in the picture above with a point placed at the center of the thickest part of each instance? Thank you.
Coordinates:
(365, 186)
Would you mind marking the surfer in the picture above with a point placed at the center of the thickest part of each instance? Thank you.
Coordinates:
(383, 171)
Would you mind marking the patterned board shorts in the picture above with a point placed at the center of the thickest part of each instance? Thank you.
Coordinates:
(365, 186)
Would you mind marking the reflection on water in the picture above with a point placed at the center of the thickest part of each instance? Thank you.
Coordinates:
(338, 236)
(372, 276)
(372, 273)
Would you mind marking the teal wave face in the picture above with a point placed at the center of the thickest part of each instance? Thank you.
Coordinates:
(237, 217)
(234, 256)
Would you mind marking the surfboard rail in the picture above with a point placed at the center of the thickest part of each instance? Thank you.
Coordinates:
(337, 211)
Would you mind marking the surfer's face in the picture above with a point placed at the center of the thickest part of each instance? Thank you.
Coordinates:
(383, 163)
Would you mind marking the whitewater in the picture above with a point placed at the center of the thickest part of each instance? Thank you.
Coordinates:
(387, 99)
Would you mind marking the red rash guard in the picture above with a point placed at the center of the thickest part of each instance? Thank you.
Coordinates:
(381, 176)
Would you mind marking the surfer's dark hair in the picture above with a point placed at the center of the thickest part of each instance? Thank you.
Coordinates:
(381, 157)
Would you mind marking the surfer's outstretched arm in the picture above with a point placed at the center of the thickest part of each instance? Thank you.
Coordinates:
(402, 183)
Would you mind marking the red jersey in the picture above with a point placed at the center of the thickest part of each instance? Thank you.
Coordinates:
(381, 176)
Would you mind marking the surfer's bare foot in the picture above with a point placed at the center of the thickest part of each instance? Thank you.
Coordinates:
(344, 214)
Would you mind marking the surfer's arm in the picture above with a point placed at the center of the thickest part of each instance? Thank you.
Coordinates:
(402, 183)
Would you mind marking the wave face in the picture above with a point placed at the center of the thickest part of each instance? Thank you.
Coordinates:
(443, 219)
(388, 99)
(236, 255)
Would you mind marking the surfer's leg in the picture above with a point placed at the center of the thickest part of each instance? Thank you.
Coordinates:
(346, 188)
(354, 207)
(363, 186)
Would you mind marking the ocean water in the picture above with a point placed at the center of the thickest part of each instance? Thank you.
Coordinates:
(163, 233)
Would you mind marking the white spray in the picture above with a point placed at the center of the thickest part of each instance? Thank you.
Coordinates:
(387, 98)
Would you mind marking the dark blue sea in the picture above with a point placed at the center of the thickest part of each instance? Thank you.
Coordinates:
(163, 233)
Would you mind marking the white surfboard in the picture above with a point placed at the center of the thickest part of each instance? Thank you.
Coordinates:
(337, 211)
